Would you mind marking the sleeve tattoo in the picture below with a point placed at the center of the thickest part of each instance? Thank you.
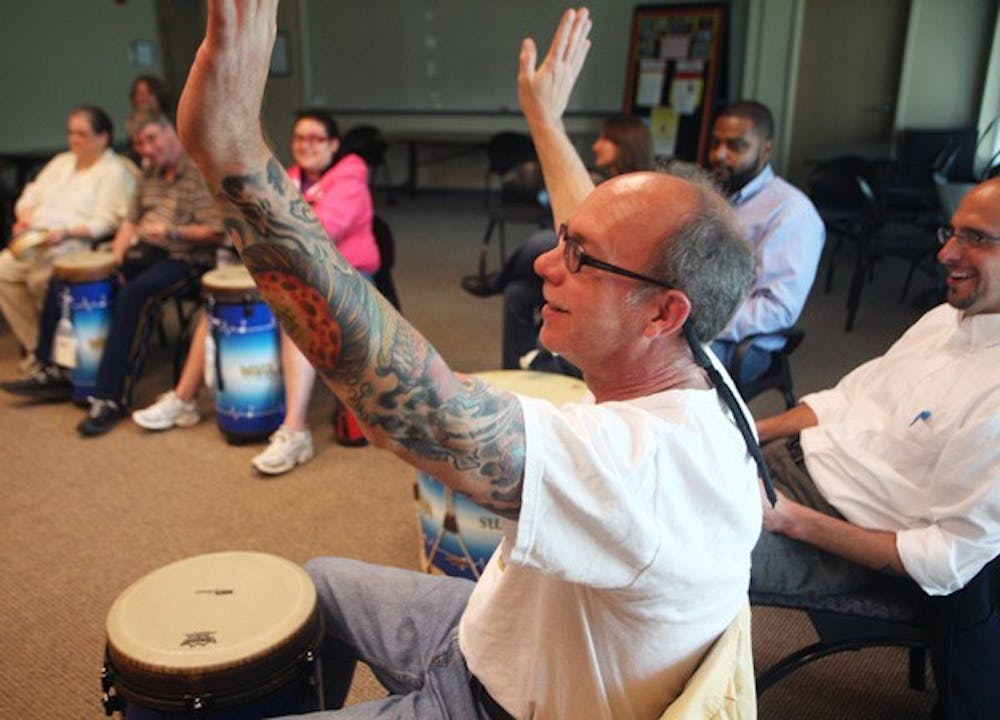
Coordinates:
(458, 428)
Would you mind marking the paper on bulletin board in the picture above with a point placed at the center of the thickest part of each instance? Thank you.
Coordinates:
(663, 123)
(674, 47)
(685, 95)
(650, 83)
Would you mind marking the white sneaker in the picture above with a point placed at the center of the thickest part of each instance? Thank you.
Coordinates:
(287, 449)
(167, 412)
(28, 366)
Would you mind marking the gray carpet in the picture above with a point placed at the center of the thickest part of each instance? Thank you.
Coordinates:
(82, 519)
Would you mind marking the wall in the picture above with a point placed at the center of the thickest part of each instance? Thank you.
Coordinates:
(770, 65)
(944, 64)
(57, 54)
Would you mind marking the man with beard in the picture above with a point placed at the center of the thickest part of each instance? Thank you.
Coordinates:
(896, 470)
(781, 225)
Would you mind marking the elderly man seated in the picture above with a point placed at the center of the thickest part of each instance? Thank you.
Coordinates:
(628, 520)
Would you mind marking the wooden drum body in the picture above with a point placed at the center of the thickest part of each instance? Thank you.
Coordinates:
(457, 535)
(249, 390)
(220, 636)
(89, 296)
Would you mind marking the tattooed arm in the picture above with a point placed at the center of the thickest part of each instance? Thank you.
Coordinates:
(463, 432)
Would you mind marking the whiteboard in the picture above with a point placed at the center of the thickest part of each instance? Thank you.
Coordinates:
(449, 56)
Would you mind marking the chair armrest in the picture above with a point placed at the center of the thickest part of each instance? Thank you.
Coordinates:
(793, 338)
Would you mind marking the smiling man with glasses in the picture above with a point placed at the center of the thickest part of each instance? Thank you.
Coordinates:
(627, 519)
(900, 463)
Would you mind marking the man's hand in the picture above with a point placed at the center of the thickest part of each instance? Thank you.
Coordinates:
(54, 237)
(218, 116)
(777, 519)
(544, 92)
(786, 424)
(156, 233)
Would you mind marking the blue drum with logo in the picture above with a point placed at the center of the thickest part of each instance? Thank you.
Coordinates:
(87, 305)
(245, 354)
(457, 535)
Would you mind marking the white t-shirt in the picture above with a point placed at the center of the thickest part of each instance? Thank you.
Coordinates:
(910, 442)
(631, 555)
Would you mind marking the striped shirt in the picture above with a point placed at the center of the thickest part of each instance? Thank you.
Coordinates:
(182, 200)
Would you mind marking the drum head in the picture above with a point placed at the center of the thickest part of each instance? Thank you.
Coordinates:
(560, 389)
(230, 284)
(29, 243)
(85, 266)
(218, 624)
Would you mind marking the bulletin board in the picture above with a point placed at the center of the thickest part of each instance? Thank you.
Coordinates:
(675, 72)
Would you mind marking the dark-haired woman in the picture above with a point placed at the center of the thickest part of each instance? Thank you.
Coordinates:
(624, 145)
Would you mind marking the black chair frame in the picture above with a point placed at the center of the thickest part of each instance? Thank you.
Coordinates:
(778, 375)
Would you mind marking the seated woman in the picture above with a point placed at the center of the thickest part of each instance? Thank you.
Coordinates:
(624, 145)
(335, 184)
(80, 195)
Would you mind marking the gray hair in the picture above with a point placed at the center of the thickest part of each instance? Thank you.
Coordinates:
(140, 119)
(708, 258)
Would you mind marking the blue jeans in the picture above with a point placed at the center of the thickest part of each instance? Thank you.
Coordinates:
(522, 297)
(755, 362)
(133, 299)
(402, 624)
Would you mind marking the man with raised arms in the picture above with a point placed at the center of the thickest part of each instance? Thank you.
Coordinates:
(628, 520)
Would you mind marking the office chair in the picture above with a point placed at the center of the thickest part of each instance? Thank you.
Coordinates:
(387, 259)
(504, 151)
(961, 632)
(778, 375)
(722, 687)
(184, 297)
(519, 203)
(367, 142)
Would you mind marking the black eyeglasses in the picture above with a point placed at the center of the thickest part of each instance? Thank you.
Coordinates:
(965, 237)
(575, 258)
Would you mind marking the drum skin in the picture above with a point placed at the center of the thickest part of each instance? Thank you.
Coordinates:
(222, 635)
(29, 244)
(457, 535)
(249, 389)
(88, 279)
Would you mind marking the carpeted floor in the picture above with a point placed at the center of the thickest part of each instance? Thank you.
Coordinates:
(82, 519)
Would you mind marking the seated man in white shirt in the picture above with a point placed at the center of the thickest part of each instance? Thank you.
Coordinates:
(628, 520)
(897, 468)
(79, 195)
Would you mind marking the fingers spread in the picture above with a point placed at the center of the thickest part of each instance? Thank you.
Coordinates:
(528, 56)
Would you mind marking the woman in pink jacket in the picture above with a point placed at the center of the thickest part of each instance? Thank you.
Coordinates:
(335, 184)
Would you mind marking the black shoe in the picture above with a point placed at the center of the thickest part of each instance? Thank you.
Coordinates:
(481, 286)
(103, 415)
(50, 384)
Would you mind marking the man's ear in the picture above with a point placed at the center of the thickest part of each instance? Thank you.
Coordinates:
(766, 147)
(672, 310)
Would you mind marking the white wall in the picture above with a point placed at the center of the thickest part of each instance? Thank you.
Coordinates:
(944, 63)
(770, 65)
(989, 115)
(57, 55)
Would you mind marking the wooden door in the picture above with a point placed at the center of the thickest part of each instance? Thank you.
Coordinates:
(848, 78)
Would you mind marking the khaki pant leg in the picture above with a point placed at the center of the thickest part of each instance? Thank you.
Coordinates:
(16, 301)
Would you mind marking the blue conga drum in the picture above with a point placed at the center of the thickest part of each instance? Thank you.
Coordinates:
(87, 304)
(249, 390)
(457, 536)
(221, 636)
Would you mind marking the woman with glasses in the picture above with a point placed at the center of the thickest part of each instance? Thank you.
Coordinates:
(335, 184)
(624, 145)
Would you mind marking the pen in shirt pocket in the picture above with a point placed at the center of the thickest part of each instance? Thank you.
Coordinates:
(923, 415)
